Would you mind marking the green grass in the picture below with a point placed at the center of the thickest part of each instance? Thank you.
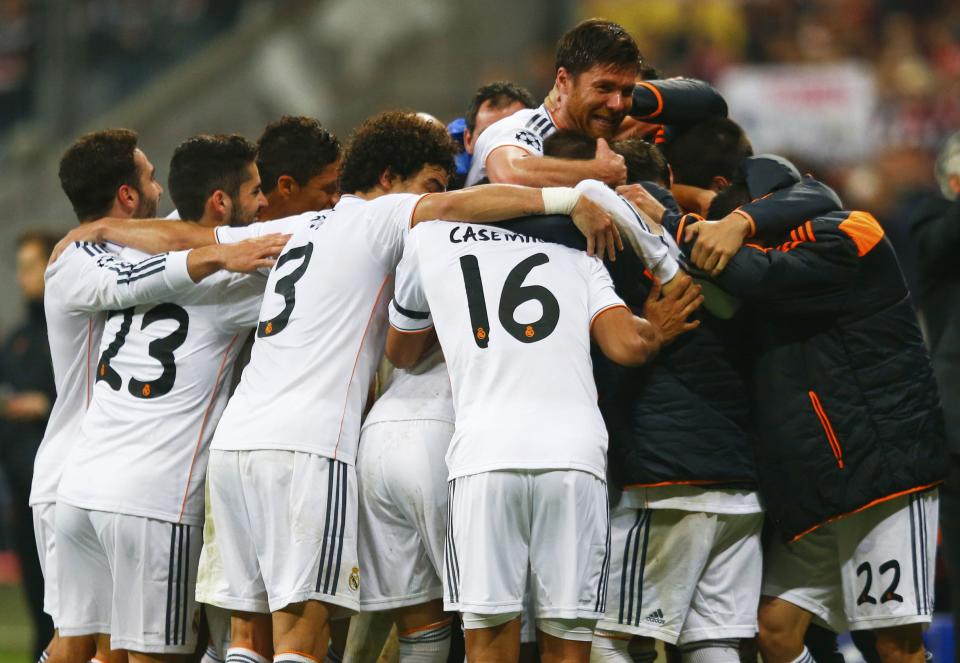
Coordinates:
(15, 630)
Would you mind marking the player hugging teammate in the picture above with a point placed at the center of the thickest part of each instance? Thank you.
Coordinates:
(596, 399)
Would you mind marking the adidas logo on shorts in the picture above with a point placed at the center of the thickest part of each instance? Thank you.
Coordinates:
(656, 617)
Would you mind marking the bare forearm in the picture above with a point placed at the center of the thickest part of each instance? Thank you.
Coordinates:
(539, 171)
(481, 204)
(157, 236)
(204, 261)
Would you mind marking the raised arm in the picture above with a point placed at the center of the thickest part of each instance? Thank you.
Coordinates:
(509, 164)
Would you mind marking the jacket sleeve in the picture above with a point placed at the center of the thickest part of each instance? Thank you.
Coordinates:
(783, 210)
(936, 232)
(808, 274)
(90, 278)
(677, 101)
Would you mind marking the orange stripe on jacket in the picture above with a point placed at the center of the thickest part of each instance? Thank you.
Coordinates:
(864, 230)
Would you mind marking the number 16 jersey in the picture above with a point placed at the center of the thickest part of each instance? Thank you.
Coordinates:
(513, 316)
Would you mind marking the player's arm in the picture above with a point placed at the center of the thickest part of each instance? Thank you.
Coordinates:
(490, 203)
(510, 164)
(404, 349)
(623, 337)
(147, 235)
(411, 326)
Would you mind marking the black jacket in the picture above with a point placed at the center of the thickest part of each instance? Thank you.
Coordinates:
(936, 231)
(846, 409)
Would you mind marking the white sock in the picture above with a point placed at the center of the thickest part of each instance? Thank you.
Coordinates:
(711, 651)
(622, 648)
(211, 656)
(429, 644)
(244, 655)
(804, 657)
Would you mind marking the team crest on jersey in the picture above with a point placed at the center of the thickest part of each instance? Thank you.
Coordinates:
(530, 139)
(354, 581)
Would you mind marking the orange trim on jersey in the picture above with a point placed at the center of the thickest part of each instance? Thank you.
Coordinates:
(827, 428)
(656, 93)
(428, 627)
(918, 489)
(298, 653)
(203, 424)
(413, 212)
(692, 482)
(89, 356)
(552, 118)
(683, 225)
(604, 310)
(356, 360)
(809, 226)
(864, 230)
(749, 218)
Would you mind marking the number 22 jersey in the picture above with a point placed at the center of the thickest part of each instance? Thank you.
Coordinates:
(513, 316)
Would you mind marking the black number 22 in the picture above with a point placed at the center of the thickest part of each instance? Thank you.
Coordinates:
(513, 296)
(891, 592)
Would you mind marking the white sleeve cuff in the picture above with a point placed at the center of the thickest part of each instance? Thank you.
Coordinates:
(405, 320)
(176, 271)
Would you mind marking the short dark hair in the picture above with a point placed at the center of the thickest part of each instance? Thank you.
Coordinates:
(295, 146)
(395, 141)
(734, 196)
(645, 162)
(498, 93)
(706, 150)
(45, 238)
(569, 144)
(94, 167)
(597, 42)
(204, 164)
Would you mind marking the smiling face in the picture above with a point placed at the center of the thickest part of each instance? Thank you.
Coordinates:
(248, 202)
(595, 101)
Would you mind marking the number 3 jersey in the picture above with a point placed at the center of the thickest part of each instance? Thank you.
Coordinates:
(321, 331)
(513, 316)
(161, 384)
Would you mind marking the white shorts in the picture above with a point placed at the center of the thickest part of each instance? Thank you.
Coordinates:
(286, 532)
(872, 569)
(402, 478)
(129, 576)
(502, 524)
(684, 576)
(44, 517)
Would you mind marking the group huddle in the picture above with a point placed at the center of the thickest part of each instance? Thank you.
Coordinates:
(610, 422)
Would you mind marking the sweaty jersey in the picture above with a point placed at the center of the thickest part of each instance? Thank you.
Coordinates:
(85, 281)
(513, 316)
(161, 384)
(321, 331)
(526, 129)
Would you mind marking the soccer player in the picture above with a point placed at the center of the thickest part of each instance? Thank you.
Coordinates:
(597, 63)
(298, 162)
(492, 102)
(527, 463)
(851, 440)
(102, 173)
(129, 546)
(287, 547)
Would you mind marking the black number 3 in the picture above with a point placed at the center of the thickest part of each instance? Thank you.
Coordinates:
(513, 296)
(286, 288)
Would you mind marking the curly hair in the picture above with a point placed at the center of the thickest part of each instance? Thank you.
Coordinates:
(395, 141)
(204, 164)
(94, 167)
(296, 146)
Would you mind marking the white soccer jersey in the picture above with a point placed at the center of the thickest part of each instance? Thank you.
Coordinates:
(526, 129)
(421, 393)
(513, 316)
(85, 281)
(286, 225)
(161, 384)
(321, 332)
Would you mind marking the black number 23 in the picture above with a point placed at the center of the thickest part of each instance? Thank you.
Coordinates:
(513, 296)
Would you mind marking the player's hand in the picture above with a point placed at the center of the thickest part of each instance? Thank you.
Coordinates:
(87, 232)
(693, 198)
(252, 254)
(670, 312)
(717, 241)
(608, 165)
(644, 201)
(603, 238)
(26, 406)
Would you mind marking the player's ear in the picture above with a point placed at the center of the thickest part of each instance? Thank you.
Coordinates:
(128, 197)
(468, 140)
(563, 82)
(287, 186)
(387, 179)
(219, 204)
(719, 183)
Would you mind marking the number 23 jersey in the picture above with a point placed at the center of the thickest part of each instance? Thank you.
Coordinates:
(513, 316)
(161, 384)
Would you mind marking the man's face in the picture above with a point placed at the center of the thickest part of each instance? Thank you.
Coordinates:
(596, 101)
(248, 202)
(147, 185)
(487, 114)
(319, 192)
(430, 179)
(31, 263)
